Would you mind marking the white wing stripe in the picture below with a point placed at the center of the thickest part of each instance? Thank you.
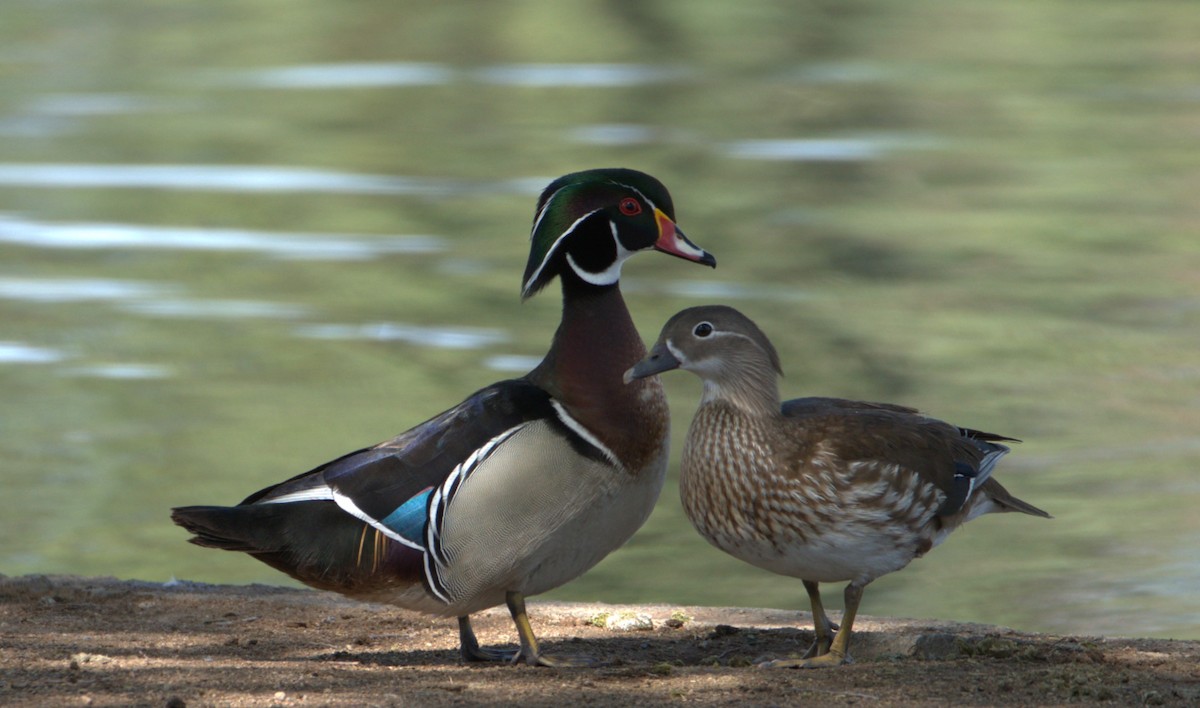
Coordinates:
(440, 500)
(322, 493)
(347, 505)
(584, 433)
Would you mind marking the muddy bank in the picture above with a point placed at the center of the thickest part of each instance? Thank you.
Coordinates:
(99, 641)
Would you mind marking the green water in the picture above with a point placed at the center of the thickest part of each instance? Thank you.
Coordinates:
(240, 239)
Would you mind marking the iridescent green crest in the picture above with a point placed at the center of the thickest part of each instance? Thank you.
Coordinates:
(570, 202)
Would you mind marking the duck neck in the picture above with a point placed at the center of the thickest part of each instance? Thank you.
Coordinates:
(595, 343)
(749, 386)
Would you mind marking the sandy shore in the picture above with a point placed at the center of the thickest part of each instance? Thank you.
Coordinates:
(104, 642)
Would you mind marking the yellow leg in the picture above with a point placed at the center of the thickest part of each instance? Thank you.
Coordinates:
(821, 624)
(839, 649)
(529, 652)
(468, 645)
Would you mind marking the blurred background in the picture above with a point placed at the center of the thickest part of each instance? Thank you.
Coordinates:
(240, 239)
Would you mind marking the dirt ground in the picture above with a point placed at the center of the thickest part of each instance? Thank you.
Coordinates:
(103, 642)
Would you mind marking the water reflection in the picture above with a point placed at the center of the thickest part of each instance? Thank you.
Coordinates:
(837, 73)
(352, 75)
(219, 178)
(391, 74)
(715, 290)
(825, 149)
(517, 363)
(90, 104)
(580, 75)
(215, 309)
(49, 290)
(441, 337)
(22, 353)
(120, 371)
(614, 134)
(296, 246)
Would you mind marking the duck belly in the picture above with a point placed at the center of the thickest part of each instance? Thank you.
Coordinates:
(835, 554)
(838, 531)
(536, 515)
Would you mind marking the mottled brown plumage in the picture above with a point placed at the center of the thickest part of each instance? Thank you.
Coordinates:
(822, 489)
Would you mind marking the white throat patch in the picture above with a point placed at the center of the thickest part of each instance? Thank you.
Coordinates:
(609, 275)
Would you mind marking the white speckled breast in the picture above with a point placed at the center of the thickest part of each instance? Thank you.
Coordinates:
(809, 515)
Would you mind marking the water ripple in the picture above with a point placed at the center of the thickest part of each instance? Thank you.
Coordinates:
(718, 290)
(615, 134)
(386, 74)
(216, 309)
(51, 290)
(219, 178)
(512, 362)
(857, 149)
(579, 75)
(294, 246)
(120, 371)
(351, 75)
(439, 337)
(90, 104)
(22, 353)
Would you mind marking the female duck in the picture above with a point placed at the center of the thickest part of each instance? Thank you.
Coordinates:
(821, 489)
(521, 487)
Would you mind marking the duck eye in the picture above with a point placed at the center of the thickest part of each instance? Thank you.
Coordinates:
(703, 329)
(630, 206)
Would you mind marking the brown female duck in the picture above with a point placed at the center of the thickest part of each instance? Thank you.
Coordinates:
(821, 489)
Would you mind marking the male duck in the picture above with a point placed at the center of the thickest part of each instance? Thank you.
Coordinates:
(821, 489)
(521, 487)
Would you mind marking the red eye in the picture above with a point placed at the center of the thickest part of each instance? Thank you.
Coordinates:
(630, 206)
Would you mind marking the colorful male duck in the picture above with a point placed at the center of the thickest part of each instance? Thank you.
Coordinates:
(821, 489)
(521, 487)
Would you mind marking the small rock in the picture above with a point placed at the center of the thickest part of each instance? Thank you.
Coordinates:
(936, 645)
(84, 658)
(627, 622)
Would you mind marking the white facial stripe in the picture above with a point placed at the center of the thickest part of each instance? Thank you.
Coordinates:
(584, 433)
(639, 193)
(546, 207)
(610, 275)
(723, 333)
(537, 273)
(675, 352)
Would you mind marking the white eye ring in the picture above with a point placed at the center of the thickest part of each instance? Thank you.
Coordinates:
(703, 329)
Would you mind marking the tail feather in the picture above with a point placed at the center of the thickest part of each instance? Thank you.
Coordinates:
(315, 542)
(1007, 502)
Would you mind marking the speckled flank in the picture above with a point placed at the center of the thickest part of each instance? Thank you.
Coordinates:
(742, 502)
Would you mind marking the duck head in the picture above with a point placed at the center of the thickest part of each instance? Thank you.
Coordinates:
(726, 349)
(588, 223)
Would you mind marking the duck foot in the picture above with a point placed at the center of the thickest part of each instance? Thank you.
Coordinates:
(471, 652)
(823, 661)
(557, 661)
